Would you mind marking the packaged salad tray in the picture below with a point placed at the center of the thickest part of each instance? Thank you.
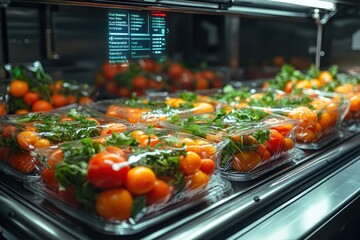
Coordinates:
(20, 135)
(255, 141)
(137, 110)
(125, 182)
(319, 116)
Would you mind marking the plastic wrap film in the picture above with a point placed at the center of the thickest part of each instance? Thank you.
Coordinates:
(138, 110)
(125, 182)
(20, 135)
(31, 89)
(319, 115)
(253, 139)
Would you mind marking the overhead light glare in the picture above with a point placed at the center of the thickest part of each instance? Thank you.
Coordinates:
(310, 3)
(267, 12)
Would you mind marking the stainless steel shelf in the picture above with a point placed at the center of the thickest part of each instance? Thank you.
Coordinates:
(321, 184)
(258, 8)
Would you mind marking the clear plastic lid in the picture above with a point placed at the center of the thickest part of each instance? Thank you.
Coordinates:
(150, 111)
(32, 90)
(124, 180)
(252, 138)
(21, 134)
(318, 116)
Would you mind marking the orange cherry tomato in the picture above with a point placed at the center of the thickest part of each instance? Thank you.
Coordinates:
(59, 100)
(18, 88)
(85, 100)
(289, 144)
(27, 139)
(140, 180)
(41, 106)
(30, 98)
(146, 140)
(190, 163)
(160, 193)
(115, 128)
(203, 107)
(325, 77)
(114, 204)
(42, 143)
(264, 152)
(245, 161)
(198, 180)
(22, 111)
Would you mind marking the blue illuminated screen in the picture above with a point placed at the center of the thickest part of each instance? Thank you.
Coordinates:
(136, 34)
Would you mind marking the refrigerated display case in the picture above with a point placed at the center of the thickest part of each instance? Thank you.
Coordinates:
(313, 196)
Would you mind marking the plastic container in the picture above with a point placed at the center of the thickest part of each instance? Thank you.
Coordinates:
(150, 112)
(253, 140)
(151, 171)
(319, 116)
(20, 135)
(31, 89)
(351, 92)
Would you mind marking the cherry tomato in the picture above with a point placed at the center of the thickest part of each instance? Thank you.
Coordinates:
(276, 143)
(190, 163)
(4, 153)
(42, 143)
(207, 166)
(140, 180)
(27, 139)
(48, 178)
(55, 158)
(198, 180)
(116, 150)
(289, 144)
(115, 128)
(23, 162)
(114, 204)
(288, 87)
(264, 152)
(146, 140)
(69, 196)
(160, 193)
(9, 131)
(245, 161)
(107, 170)
(284, 129)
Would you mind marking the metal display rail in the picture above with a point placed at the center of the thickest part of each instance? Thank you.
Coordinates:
(303, 198)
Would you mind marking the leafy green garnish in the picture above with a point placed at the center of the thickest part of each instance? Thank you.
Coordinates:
(164, 163)
(286, 74)
(138, 206)
(271, 99)
(51, 127)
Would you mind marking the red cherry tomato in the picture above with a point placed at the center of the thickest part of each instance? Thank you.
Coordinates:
(276, 143)
(107, 170)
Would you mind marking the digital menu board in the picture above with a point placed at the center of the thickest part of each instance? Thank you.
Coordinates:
(136, 34)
